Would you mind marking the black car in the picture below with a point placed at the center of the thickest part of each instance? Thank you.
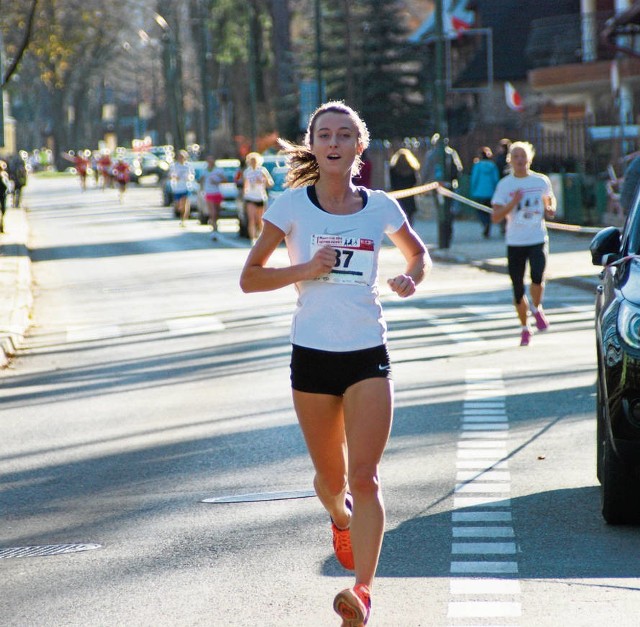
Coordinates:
(618, 385)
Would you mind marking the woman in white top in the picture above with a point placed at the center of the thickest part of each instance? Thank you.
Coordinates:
(340, 369)
(256, 182)
(210, 184)
(525, 198)
(181, 174)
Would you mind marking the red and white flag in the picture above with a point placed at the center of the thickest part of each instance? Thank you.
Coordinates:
(513, 98)
(459, 24)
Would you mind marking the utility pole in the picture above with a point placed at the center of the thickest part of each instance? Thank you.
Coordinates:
(445, 218)
(1, 92)
(173, 78)
(253, 64)
(320, 91)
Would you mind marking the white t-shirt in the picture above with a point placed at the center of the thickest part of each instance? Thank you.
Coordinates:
(525, 223)
(255, 183)
(181, 174)
(211, 179)
(339, 311)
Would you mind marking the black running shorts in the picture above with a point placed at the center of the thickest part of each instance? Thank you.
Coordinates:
(328, 372)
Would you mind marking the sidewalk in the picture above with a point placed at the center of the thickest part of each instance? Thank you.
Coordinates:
(569, 263)
(15, 283)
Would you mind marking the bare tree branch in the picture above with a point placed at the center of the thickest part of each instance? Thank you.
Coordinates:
(23, 45)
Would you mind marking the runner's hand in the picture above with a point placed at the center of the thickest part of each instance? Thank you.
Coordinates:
(322, 262)
(403, 285)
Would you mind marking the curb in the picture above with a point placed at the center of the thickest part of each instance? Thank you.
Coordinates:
(15, 270)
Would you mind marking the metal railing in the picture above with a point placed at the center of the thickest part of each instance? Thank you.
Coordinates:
(564, 39)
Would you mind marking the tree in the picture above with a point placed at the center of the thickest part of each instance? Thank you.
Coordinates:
(18, 49)
(368, 63)
(283, 66)
(391, 92)
(72, 41)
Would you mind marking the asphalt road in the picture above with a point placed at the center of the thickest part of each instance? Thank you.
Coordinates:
(149, 383)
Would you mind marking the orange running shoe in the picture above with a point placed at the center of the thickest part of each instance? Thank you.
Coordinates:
(342, 541)
(353, 605)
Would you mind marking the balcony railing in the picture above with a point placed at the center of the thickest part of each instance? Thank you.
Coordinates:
(564, 39)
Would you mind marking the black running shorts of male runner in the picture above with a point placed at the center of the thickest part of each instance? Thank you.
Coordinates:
(328, 372)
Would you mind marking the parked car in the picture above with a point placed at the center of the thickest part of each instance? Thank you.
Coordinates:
(279, 176)
(192, 187)
(164, 153)
(231, 206)
(617, 322)
(273, 161)
(152, 165)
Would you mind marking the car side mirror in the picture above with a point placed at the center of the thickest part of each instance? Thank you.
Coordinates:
(605, 246)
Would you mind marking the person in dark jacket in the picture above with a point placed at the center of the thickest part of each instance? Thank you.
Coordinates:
(404, 172)
(4, 188)
(17, 171)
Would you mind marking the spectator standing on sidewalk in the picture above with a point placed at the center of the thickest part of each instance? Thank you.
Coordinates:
(525, 198)
(340, 370)
(17, 170)
(501, 158)
(484, 178)
(4, 188)
(404, 172)
(363, 178)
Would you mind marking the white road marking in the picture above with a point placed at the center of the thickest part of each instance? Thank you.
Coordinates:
(89, 334)
(479, 516)
(484, 609)
(484, 586)
(195, 324)
(482, 505)
(469, 568)
(483, 532)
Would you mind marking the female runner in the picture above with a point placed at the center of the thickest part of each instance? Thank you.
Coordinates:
(340, 369)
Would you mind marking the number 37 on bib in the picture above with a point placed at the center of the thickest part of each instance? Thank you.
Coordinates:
(354, 258)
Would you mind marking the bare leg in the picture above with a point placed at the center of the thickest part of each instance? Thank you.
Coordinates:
(368, 408)
(537, 292)
(214, 210)
(252, 225)
(259, 214)
(522, 309)
(322, 422)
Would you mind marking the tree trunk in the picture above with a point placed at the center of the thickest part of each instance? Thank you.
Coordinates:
(285, 101)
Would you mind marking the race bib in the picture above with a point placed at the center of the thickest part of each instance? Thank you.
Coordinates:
(354, 258)
(530, 208)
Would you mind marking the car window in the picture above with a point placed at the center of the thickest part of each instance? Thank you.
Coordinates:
(631, 232)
